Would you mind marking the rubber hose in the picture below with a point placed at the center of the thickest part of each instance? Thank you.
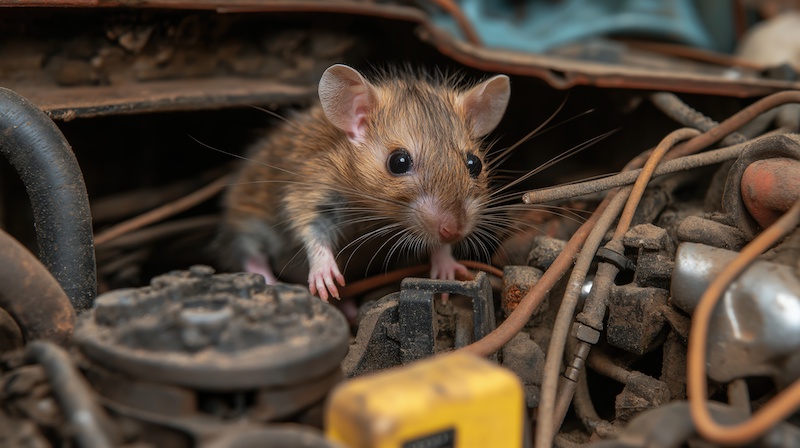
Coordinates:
(37, 149)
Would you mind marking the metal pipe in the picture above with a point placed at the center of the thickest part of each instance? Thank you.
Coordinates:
(30, 294)
(558, 193)
(675, 108)
(93, 428)
(34, 145)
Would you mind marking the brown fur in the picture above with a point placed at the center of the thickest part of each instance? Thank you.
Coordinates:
(333, 188)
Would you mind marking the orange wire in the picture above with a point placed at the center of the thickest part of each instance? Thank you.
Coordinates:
(776, 409)
(162, 212)
(376, 281)
(646, 175)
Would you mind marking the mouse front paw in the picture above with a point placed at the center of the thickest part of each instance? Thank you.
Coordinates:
(445, 267)
(323, 277)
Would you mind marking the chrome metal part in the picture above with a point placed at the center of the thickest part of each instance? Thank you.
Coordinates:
(755, 329)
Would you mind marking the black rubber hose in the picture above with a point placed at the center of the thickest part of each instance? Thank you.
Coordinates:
(34, 145)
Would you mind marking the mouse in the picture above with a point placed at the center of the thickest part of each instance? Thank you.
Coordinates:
(396, 160)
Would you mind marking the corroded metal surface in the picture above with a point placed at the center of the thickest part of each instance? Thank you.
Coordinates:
(215, 332)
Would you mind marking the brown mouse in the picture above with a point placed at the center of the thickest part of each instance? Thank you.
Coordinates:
(399, 159)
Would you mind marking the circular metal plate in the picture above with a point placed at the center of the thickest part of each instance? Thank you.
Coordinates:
(218, 332)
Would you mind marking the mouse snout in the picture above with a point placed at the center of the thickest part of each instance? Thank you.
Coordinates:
(450, 230)
(443, 223)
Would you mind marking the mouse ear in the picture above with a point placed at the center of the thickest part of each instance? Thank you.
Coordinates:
(347, 98)
(486, 103)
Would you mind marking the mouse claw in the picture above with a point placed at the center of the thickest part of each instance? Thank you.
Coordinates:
(322, 280)
(445, 267)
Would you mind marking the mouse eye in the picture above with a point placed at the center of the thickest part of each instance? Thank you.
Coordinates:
(474, 165)
(399, 162)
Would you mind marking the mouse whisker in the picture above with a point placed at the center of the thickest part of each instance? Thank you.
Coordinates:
(482, 245)
(363, 239)
(242, 157)
(399, 244)
(569, 153)
(527, 137)
(279, 117)
(379, 249)
(475, 244)
(500, 158)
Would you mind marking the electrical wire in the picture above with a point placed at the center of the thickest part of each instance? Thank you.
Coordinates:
(162, 212)
(376, 281)
(623, 178)
(630, 196)
(781, 406)
(667, 143)
(520, 316)
(735, 122)
(522, 313)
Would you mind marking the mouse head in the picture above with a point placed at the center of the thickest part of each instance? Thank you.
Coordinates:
(415, 144)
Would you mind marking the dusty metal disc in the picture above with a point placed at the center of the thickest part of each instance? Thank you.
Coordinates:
(215, 332)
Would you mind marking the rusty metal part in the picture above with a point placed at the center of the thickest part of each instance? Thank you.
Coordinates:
(641, 392)
(634, 320)
(162, 96)
(560, 73)
(692, 53)
(92, 426)
(735, 212)
(563, 73)
(44, 161)
(31, 295)
(222, 332)
(696, 229)
(770, 187)
(359, 287)
(597, 226)
(654, 260)
(517, 280)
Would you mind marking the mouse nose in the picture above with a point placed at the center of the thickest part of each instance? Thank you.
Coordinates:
(449, 232)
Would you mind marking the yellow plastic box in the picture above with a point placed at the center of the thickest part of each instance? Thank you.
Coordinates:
(455, 400)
